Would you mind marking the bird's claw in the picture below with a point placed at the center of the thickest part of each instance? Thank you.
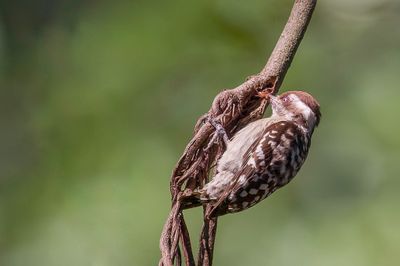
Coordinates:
(219, 133)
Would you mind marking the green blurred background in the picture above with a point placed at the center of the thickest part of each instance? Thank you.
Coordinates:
(98, 100)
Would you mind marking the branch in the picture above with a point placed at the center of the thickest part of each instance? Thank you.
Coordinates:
(233, 109)
(291, 36)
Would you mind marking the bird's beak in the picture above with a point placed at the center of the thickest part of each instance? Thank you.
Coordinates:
(276, 104)
(272, 99)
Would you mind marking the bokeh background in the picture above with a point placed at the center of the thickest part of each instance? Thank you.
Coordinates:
(98, 100)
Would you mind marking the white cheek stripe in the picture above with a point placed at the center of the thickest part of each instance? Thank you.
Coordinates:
(303, 107)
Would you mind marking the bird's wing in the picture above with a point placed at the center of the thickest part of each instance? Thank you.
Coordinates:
(259, 155)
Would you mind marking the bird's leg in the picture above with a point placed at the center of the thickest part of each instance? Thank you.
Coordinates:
(219, 133)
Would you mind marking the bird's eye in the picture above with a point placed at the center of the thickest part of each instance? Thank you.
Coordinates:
(285, 99)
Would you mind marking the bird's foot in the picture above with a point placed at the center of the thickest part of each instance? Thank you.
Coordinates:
(219, 133)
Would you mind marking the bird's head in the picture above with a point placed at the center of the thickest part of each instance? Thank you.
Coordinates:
(297, 106)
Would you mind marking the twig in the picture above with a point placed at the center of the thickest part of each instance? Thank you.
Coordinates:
(233, 109)
(207, 237)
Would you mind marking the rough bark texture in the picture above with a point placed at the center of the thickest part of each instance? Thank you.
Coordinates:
(233, 109)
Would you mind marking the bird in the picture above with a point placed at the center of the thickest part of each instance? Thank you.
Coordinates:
(263, 156)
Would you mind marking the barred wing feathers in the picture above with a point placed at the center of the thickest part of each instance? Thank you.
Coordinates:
(270, 163)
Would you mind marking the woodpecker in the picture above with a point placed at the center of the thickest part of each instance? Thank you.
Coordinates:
(263, 156)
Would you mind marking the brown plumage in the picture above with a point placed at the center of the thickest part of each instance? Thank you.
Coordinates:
(265, 155)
